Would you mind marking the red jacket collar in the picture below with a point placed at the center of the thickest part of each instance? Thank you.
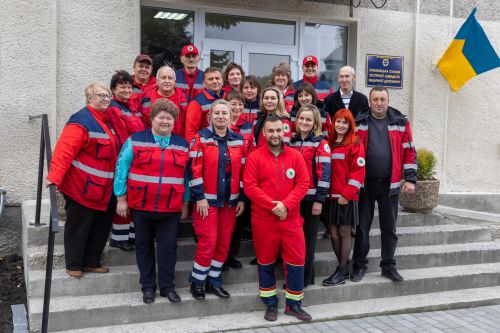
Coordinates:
(311, 81)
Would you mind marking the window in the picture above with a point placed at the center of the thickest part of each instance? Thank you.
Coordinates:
(164, 32)
(249, 29)
(329, 44)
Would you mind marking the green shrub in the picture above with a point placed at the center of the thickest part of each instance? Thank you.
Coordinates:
(426, 163)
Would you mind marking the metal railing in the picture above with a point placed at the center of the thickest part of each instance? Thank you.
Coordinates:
(46, 151)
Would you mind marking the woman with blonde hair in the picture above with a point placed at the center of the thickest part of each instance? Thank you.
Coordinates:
(313, 146)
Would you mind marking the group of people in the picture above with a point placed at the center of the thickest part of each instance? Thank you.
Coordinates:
(148, 151)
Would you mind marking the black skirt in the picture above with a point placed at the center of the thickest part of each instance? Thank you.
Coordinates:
(335, 214)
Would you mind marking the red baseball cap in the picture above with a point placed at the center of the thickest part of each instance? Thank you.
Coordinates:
(310, 58)
(190, 48)
(142, 58)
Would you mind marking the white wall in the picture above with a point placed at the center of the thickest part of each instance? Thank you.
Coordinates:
(50, 50)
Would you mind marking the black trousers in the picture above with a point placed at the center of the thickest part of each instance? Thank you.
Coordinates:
(376, 190)
(162, 227)
(85, 234)
(311, 223)
(242, 221)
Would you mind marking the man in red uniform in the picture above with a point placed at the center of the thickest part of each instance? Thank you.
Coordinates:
(165, 83)
(197, 110)
(276, 222)
(143, 81)
(310, 69)
(190, 78)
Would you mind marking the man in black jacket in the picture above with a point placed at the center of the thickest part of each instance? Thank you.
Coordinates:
(346, 97)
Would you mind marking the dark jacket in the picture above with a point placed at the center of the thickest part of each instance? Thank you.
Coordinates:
(334, 102)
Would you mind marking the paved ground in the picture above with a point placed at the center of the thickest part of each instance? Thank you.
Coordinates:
(481, 319)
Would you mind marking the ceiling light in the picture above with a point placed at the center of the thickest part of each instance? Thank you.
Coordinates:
(170, 16)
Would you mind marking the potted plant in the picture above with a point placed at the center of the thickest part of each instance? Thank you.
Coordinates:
(425, 197)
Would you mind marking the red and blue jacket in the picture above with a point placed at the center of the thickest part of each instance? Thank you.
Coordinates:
(250, 110)
(192, 86)
(326, 122)
(323, 89)
(288, 99)
(217, 168)
(402, 147)
(84, 159)
(156, 177)
(124, 121)
(197, 111)
(348, 171)
(178, 98)
(138, 89)
(317, 155)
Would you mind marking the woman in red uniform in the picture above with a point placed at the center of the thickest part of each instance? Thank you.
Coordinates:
(82, 168)
(306, 94)
(150, 182)
(125, 122)
(233, 77)
(251, 92)
(281, 78)
(348, 175)
(217, 158)
(270, 103)
(238, 123)
(313, 146)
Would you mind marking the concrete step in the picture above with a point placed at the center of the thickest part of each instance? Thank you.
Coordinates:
(408, 236)
(37, 236)
(126, 278)
(322, 312)
(70, 312)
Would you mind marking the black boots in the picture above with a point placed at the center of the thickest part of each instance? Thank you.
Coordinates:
(338, 277)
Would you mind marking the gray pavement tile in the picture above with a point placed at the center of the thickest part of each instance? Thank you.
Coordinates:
(294, 329)
(277, 329)
(262, 330)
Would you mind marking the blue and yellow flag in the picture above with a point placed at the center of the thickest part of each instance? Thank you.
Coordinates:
(469, 54)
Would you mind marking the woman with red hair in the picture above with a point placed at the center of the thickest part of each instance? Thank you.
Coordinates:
(347, 177)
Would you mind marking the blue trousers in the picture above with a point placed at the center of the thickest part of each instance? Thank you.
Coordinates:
(162, 227)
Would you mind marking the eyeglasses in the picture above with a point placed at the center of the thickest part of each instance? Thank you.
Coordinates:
(103, 96)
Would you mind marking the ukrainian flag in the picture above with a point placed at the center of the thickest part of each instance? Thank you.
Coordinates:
(469, 54)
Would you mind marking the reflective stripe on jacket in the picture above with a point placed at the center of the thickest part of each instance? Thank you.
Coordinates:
(207, 179)
(317, 155)
(124, 121)
(156, 177)
(347, 170)
(182, 83)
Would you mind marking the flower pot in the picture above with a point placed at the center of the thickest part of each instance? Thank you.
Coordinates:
(423, 200)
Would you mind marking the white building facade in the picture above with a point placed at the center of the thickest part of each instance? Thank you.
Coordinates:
(51, 49)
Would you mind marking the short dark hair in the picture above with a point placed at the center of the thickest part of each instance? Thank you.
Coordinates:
(379, 89)
(212, 70)
(120, 77)
(254, 83)
(272, 118)
(165, 105)
(308, 88)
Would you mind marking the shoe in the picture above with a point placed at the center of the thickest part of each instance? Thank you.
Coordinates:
(357, 274)
(96, 269)
(74, 274)
(253, 262)
(233, 262)
(197, 291)
(148, 297)
(393, 275)
(217, 291)
(171, 295)
(121, 246)
(271, 313)
(336, 278)
(297, 311)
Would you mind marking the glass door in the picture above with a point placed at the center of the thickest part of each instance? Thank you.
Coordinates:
(220, 53)
(259, 60)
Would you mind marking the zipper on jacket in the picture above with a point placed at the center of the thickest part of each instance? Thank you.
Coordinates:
(159, 181)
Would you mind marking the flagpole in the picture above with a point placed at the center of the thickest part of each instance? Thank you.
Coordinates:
(444, 178)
